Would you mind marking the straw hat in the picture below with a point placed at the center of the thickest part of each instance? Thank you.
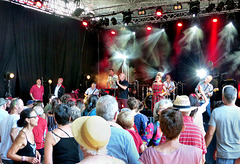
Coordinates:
(91, 132)
(183, 103)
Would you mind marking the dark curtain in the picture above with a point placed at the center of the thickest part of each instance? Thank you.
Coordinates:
(38, 45)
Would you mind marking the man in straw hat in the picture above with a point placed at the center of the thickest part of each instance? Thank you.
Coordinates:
(192, 135)
(225, 120)
(121, 144)
(93, 134)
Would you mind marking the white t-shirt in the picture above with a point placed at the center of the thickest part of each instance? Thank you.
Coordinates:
(91, 91)
(6, 126)
(198, 118)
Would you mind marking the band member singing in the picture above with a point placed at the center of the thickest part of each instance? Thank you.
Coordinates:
(170, 87)
(158, 89)
(207, 88)
(122, 91)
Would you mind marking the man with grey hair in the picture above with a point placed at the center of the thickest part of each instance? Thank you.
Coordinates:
(121, 144)
(225, 120)
(40, 130)
(9, 129)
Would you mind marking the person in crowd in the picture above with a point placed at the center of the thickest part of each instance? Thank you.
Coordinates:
(98, 131)
(172, 151)
(40, 131)
(170, 87)
(158, 89)
(90, 109)
(225, 121)
(60, 146)
(49, 106)
(71, 102)
(23, 149)
(192, 134)
(3, 106)
(59, 89)
(121, 144)
(112, 79)
(30, 104)
(49, 117)
(91, 91)
(197, 113)
(207, 88)
(140, 120)
(126, 120)
(9, 129)
(37, 91)
(80, 104)
(153, 133)
(3, 114)
(122, 95)
(75, 113)
(64, 98)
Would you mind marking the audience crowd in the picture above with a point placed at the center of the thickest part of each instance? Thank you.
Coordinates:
(69, 131)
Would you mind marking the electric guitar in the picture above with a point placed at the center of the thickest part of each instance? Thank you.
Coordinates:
(200, 97)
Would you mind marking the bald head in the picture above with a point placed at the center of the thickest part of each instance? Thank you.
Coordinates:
(208, 79)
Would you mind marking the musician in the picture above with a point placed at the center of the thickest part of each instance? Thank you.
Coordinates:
(59, 89)
(112, 79)
(92, 91)
(122, 95)
(158, 88)
(207, 88)
(170, 87)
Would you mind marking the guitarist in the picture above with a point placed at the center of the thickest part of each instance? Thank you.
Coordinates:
(170, 87)
(91, 91)
(207, 88)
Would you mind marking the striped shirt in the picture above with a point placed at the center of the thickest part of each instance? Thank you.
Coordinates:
(192, 135)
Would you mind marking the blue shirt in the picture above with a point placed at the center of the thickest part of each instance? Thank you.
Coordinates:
(122, 146)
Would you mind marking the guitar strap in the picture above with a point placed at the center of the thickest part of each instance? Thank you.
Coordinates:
(93, 91)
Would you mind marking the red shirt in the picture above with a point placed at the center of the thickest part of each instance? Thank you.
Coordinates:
(37, 92)
(192, 135)
(137, 139)
(40, 132)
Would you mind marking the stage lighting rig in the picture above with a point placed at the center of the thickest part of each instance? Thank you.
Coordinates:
(114, 21)
(141, 12)
(230, 4)
(127, 16)
(194, 7)
(106, 22)
(201, 73)
(210, 7)
(78, 12)
(8, 76)
(159, 11)
(177, 6)
(220, 6)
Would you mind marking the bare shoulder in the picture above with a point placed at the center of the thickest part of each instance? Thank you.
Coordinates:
(21, 139)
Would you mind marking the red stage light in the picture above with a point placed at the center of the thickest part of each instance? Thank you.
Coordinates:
(149, 28)
(85, 23)
(113, 32)
(179, 24)
(214, 20)
(158, 13)
(39, 4)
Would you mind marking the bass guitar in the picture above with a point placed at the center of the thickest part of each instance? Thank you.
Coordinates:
(200, 96)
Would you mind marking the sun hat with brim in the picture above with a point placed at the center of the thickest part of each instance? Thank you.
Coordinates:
(91, 132)
(183, 104)
(3, 101)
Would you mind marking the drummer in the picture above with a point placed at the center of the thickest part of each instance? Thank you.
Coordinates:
(170, 87)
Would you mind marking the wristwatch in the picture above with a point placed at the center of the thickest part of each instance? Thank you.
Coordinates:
(23, 158)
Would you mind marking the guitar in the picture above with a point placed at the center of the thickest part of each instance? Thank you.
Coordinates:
(199, 95)
(87, 97)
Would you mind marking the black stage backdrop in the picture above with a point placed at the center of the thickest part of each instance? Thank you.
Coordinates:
(37, 45)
